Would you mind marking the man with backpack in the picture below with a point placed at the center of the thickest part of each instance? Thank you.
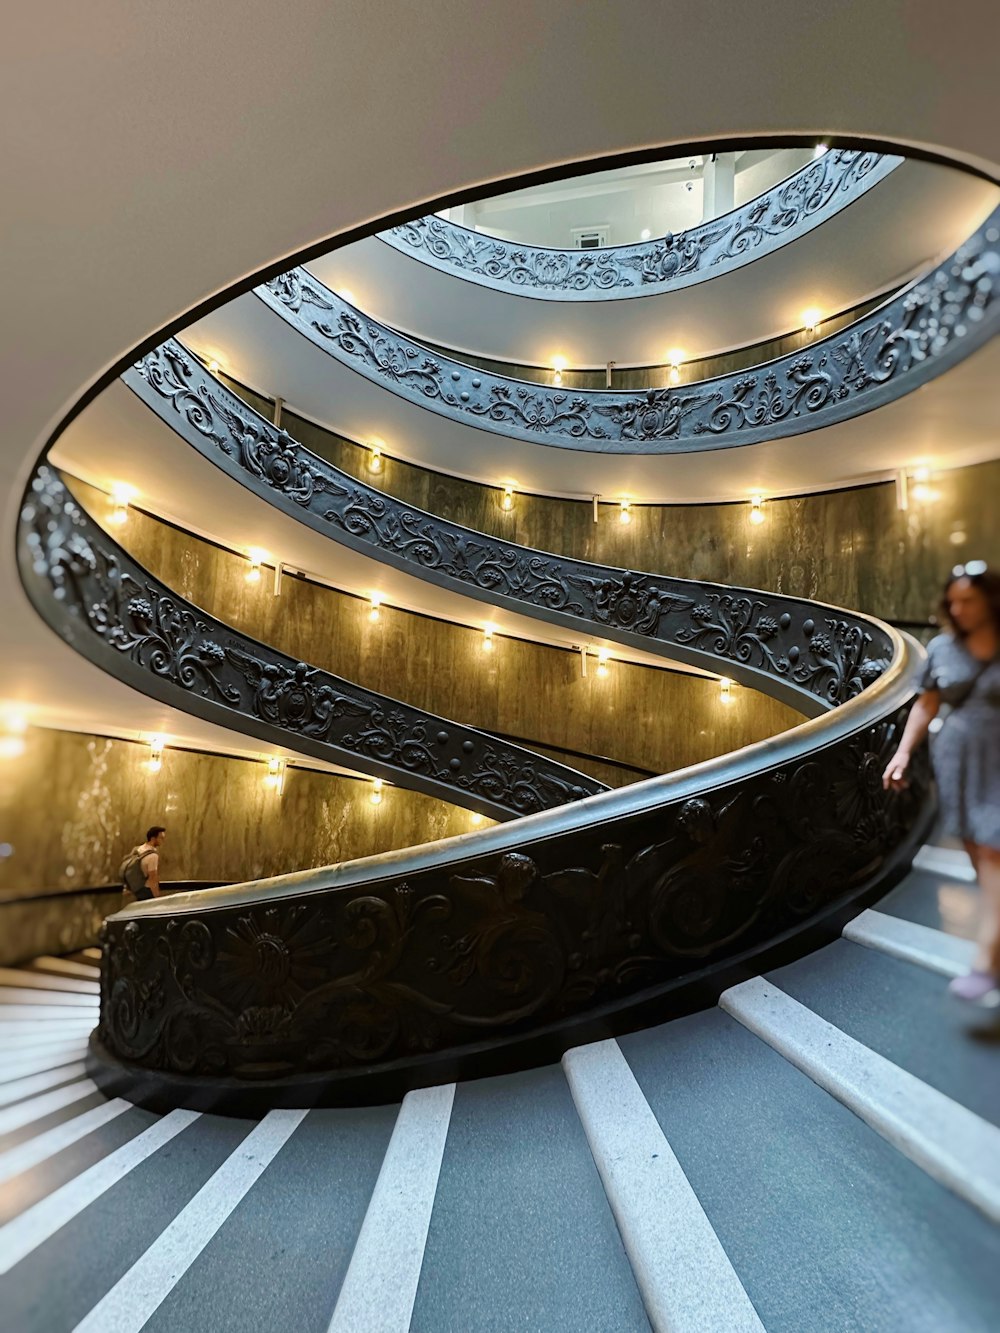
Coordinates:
(140, 870)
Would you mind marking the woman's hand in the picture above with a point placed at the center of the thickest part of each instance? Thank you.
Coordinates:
(894, 778)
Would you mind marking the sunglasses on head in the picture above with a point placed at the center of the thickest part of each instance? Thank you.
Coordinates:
(969, 570)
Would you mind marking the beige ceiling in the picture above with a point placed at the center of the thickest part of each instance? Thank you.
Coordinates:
(156, 155)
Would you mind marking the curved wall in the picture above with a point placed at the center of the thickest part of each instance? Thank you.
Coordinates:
(843, 546)
(223, 823)
(648, 719)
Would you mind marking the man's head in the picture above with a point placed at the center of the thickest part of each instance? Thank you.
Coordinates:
(155, 835)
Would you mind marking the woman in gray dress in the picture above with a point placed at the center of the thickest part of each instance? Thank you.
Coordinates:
(963, 673)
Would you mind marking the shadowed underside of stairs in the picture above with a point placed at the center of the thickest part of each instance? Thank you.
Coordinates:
(820, 1152)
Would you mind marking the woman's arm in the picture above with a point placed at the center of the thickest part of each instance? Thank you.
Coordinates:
(152, 868)
(922, 714)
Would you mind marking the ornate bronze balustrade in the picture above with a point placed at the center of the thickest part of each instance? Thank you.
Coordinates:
(478, 953)
(106, 606)
(811, 656)
(925, 329)
(813, 194)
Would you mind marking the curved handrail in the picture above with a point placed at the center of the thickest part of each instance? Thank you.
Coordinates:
(114, 612)
(804, 200)
(811, 656)
(355, 982)
(922, 331)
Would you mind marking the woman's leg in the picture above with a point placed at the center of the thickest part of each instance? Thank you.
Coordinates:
(987, 863)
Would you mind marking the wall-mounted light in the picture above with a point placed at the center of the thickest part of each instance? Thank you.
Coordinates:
(811, 317)
(376, 792)
(675, 359)
(487, 638)
(274, 778)
(475, 819)
(725, 690)
(558, 366)
(603, 657)
(625, 511)
(121, 496)
(507, 502)
(14, 724)
(756, 510)
(644, 234)
(920, 488)
(214, 366)
(819, 150)
(375, 456)
(256, 555)
(155, 761)
(374, 607)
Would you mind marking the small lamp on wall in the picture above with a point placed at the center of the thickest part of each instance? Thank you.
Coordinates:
(675, 359)
(756, 510)
(274, 778)
(155, 761)
(376, 792)
(725, 690)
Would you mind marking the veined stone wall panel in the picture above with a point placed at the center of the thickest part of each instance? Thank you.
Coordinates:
(223, 823)
(652, 720)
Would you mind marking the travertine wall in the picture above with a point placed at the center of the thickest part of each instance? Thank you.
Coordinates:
(223, 822)
(851, 547)
(653, 720)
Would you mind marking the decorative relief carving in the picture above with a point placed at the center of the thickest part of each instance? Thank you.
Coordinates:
(813, 194)
(496, 944)
(888, 352)
(90, 590)
(766, 633)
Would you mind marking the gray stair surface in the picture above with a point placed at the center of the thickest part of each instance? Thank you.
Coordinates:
(818, 1154)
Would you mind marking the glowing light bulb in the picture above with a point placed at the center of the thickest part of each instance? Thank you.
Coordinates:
(756, 510)
(121, 496)
(375, 458)
(274, 778)
(12, 747)
(487, 638)
(14, 721)
(675, 359)
(476, 819)
(155, 761)
(644, 234)
(256, 555)
(819, 150)
(811, 318)
(374, 607)
(558, 366)
(346, 294)
(214, 367)
(376, 792)
(625, 511)
(725, 690)
(507, 503)
(602, 662)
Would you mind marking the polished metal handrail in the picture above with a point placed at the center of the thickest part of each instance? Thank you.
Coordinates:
(810, 196)
(923, 330)
(113, 611)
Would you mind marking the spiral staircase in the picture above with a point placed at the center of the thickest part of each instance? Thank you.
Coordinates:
(667, 1052)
